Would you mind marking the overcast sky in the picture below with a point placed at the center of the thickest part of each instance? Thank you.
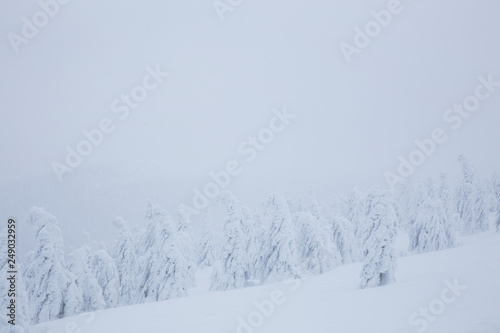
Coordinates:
(352, 121)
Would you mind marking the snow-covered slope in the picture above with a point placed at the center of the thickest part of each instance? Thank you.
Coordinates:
(456, 290)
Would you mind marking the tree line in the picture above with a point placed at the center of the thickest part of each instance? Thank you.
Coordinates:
(284, 239)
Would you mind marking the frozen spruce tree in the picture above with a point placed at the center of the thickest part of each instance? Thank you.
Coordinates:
(423, 192)
(404, 202)
(453, 218)
(253, 245)
(445, 194)
(420, 195)
(207, 250)
(430, 230)
(471, 201)
(318, 253)
(79, 263)
(231, 270)
(165, 271)
(465, 198)
(51, 287)
(343, 238)
(186, 245)
(481, 208)
(495, 191)
(106, 274)
(281, 256)
(338, 207)
(256, 235)
(365, 227)
(126, 263)
(354, 203)
(380, 262)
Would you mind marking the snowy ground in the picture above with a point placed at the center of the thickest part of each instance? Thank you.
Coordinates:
(331, 302)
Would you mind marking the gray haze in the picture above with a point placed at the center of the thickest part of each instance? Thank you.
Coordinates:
(225, 78)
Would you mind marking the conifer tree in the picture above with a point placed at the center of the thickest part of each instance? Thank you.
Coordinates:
(380, 260)
(232, 269)
(281, 254)
(126, 263)
(317, 251)
(51, 287)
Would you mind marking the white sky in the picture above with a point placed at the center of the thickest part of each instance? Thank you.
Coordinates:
(225, 79)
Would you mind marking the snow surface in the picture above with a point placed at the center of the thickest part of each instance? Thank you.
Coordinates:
(331, 302)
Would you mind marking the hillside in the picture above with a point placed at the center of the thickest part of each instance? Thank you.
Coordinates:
(331, 302)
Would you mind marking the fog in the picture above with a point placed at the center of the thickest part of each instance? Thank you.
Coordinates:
(226, 79)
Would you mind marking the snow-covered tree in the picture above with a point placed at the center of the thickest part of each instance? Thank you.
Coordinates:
(206, 250)
(51, 287)
(280, 251)
(256, 234)
(318, 253)
(343, 238)
(453, 218)
(337, 207)
(495, 191)
(253, 232)
(471, 201)
(232, 269)
(465, 197)
(187, 246)
(354, 203)
(354, 207)
(404, 195)
(108, 278)
(445, 193)
(420, 195)
(79, 263)
(431, 230)
(380, 259)
(481, 208)
(126, 263)
(165, 271)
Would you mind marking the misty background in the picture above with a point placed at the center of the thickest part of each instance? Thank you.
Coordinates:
(225, 78)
